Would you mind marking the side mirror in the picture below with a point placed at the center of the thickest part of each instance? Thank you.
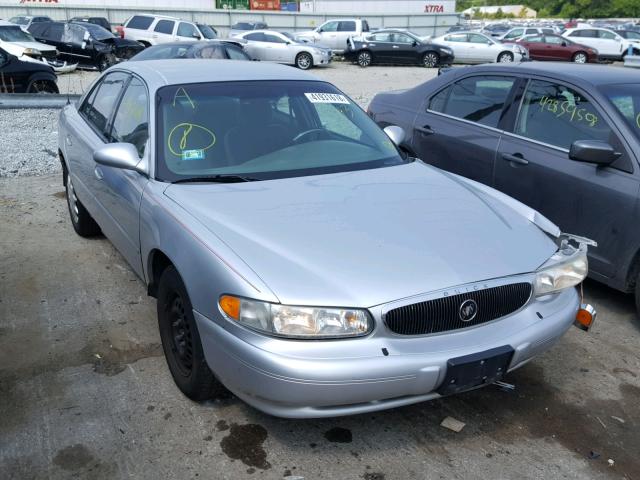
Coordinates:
(196, 36)
(396, 134)
(564, 44)
(119, 155)
(415, 44)
(593, 151)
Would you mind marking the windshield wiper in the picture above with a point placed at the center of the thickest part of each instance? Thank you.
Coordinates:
(223, 178)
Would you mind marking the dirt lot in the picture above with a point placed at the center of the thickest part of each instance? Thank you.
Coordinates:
(85, 391)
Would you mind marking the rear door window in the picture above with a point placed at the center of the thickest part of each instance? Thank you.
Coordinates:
(606, 35)
(140, 22)
(348, 26)
(165, 26)
(99, 105)
(255, 37)
(478, 99)
(273, 38)
(236, 53)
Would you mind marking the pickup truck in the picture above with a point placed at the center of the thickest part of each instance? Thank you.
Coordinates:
(334, 34)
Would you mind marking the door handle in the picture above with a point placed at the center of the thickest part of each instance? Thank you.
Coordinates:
(396, 46)
(425, 130)
(515, 158)
(98, 173)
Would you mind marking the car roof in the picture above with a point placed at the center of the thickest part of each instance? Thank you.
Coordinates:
(4, 23)
(158, 73)
(579, 73)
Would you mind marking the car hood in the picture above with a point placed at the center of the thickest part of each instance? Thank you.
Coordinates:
(367, 237)
(43, 47)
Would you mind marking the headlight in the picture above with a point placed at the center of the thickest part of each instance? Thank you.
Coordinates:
(32, 52)
(317, 51)
(296, 322)
(566, 268)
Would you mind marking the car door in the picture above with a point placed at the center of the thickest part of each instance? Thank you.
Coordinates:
(588, 37)
(256, 46)
(187, 32)
(611, 44)
(110, 195)
(405, 48)
(163, 31)
(533, 166)
(459, 43)
(277, 49)
(538, 49)
(328, 35)
(557, 48)
(459, 128)
(481, 49)
(381, 46)
(119, 190)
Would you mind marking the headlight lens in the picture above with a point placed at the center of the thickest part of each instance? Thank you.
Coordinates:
(296, 322)
(32, 52)
(563, 270)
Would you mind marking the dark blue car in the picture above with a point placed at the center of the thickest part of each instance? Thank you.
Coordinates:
(563, 139)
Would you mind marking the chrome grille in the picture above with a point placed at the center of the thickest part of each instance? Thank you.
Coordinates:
(443, 314)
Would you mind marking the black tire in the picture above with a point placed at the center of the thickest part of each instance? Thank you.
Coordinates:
(83, 223)
(42, 86)
(505, 57)
(304, 61)
(431, 59)
(181, 341)
(580, 57)
(364, 58)
(105, 61)
(637, 295)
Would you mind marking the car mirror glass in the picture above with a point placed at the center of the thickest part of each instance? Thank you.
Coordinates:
(119, 155)
(396, 134)
(593, 151)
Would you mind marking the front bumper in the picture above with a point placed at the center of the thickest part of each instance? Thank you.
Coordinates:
(321, 60)
(446, 58)
(307, 379)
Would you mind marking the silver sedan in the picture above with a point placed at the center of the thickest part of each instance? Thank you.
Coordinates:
(297, 256)
(283, 47)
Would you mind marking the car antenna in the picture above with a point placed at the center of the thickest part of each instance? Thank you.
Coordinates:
(68, 88)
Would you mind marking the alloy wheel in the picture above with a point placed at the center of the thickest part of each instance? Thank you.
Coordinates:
(505, 57)
(430, 60)
(304, 61)
(580, 58)
(364, 59)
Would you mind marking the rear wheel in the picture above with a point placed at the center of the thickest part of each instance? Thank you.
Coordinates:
(181, 341)
(364, 59)
(430, 59)
(82, 222)
(505, 57)
(105, 61)
(304, 61)
(579, 57)
(42, 86)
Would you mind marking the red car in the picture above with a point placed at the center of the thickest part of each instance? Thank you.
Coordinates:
(557, 48)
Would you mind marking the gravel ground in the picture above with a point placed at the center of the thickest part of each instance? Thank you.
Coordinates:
(30, 137)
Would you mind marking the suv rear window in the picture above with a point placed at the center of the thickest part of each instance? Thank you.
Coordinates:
(164, 26)
(140, 22)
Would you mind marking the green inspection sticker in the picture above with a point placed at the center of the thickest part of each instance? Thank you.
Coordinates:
(192, 155)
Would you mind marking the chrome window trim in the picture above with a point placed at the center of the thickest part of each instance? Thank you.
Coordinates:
(493, 129)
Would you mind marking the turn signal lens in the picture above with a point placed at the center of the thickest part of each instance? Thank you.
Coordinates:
(230, 305)
(585, 317)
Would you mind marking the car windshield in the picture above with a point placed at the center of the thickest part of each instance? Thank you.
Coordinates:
(265, 130)
(97, 32)
(207, 31)
(626, 99)
(15, 34)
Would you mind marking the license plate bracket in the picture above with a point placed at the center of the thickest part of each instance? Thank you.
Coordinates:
(475, 370)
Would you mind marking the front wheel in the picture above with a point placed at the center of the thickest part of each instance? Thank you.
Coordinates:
(364, 59)
(579, 57)
(181, 341)
(505, 57)
(105, 61)
(42, 86)
(304, 61)
(430, 59)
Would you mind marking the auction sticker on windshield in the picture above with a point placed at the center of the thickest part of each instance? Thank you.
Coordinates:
(326, 98)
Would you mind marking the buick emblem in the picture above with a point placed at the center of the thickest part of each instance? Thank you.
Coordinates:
(468, 310)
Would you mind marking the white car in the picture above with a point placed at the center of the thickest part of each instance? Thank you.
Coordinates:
(16, 41)
(25, 21)
(280, 47)
(156, 29)
(474, 47)
(610, 45)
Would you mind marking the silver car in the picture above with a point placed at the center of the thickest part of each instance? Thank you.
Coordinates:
(282, 47)
(297, 257)
(476, 47)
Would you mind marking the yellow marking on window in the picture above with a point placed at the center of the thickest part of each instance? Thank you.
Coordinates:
(183, 95)
(184, 139)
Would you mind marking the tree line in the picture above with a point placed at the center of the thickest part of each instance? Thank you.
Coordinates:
(566, 8)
